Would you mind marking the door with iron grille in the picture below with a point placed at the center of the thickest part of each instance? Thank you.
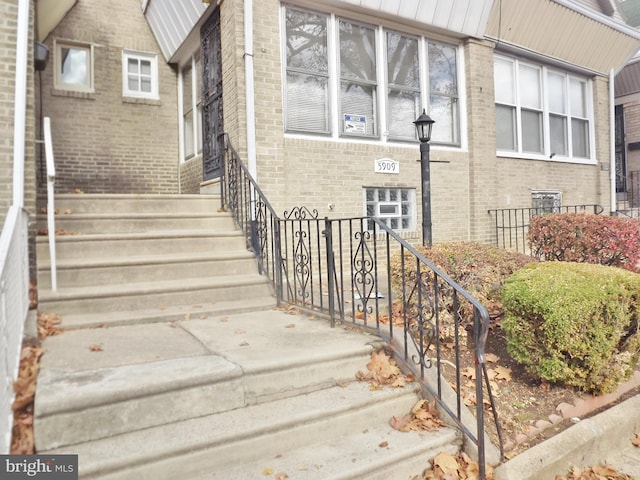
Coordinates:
(212, 125)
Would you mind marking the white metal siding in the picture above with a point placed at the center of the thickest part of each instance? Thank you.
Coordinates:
(171, 22)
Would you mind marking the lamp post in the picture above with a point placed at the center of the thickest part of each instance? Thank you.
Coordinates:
(424, 124)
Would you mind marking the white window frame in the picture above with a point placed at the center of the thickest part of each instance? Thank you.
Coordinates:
(382, 115)
(387, 217)
(547, 152)
(152, 58)
(194, 64)
(58, 83)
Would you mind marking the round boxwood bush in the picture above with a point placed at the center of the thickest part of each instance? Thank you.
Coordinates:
(573, 323)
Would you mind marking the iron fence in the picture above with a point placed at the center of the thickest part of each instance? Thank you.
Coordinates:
(512, 224)
(359, 272)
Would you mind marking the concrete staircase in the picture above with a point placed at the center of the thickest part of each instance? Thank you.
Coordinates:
(210, 385)
(156, 256)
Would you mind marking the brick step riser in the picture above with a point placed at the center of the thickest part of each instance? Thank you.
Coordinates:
(134, 203)
(132, 224)
(118, 274)
(154, 299)
(114, 418)
(75, 247)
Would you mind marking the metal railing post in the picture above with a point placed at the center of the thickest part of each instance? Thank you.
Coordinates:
(331, 266)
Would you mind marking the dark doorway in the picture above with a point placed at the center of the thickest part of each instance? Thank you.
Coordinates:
(212, 124)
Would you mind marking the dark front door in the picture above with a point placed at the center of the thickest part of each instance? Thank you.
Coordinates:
(212, 126)
(621, 158)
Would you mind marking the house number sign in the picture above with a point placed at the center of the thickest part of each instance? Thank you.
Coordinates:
(386, 165)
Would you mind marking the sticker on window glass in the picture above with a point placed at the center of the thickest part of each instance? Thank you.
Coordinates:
(355, 124)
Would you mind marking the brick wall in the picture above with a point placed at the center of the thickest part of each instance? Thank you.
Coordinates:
(104, 142)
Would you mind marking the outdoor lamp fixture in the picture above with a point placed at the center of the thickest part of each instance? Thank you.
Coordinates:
(424, 125)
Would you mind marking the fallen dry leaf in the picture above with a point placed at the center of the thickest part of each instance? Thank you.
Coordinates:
(95, 348)
(635, 441)
(291, 325)
(240, 331)
(267, 471)
(281, 476)
(383, 370)
(48, 325)
(384, 445)
(491, 357)
(503, 373)
(423, 416)
(597, 472)
(243, 344)
(78, 191)
(454, 467)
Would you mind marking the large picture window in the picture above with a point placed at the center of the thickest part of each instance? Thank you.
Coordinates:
(381, 81)
(541, 111)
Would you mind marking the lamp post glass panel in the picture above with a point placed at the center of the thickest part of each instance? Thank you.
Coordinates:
(424, 124)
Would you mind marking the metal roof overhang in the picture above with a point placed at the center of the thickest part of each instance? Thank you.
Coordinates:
(174, 24)
(563, 32)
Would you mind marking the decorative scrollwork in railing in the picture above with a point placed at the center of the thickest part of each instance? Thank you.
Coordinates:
(301, 213)
(302, 266)
(363, 272)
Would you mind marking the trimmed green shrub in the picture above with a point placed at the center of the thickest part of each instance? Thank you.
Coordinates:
(574, 323)
(588, 238)
(478, 268)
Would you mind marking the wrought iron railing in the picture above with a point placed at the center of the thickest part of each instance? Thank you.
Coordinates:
(361, 273)
(629, 204)
(512, 224)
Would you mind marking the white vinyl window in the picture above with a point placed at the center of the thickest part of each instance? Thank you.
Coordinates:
(73, 66)
(381, 81)
(541, 112)
(139, 74)
(396, 207)
(191, 75)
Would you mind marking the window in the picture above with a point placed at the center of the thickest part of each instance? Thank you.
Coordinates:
(546, 201)
(381, 81)
(191, 75)
(73, 66)
(541, 111)
(139, 74)
(394, 206)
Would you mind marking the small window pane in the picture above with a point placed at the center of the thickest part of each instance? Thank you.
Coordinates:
(133, 83)
(506, 128)
(531, 131)
(403, 109)
(393, 195)
(578, 98)
(145, 85)
(132, 65)
(358, 100)
(580, 136)
(442, 69)
(306, 41)
(74, 66)
(307, 103)
(558, 134)
(402, 60)
(557, 93)
(530, 87)
(145, 67)
(444, 109)
(357, 52)
(388, 209)
(382, 195)
(504, 81)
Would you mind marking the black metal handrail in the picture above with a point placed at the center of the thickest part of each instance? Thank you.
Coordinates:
(361, 273)
(512, 224)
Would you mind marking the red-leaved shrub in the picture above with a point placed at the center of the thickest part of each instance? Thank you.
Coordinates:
(587, 238)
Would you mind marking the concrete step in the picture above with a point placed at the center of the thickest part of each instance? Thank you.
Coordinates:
(104, 271)
(131, 244)
(77, 405)
(112, 203)
(380, 453)
(158, 294)
(165, 314)
(136, 222)
(226, 440)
